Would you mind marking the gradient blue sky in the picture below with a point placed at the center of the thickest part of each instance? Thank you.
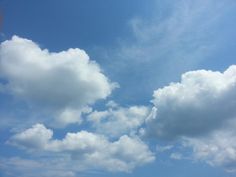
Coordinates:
(141, 46)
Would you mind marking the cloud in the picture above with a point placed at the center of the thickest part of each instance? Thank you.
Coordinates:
(200, 103)
(217, 149)
(16, 166)
(85, 148)
(33, 138)
(57, 82)
(199, 113)
(164, 148)
(176, 156)
(117, 121)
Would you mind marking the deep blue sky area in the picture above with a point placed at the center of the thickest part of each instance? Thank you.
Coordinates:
(130, 91)
(77, 23)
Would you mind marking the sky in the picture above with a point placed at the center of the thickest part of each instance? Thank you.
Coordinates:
(124, 88)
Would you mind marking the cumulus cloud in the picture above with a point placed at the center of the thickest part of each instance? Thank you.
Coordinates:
(86, 148)
(199, 111)
(118, 120)
(54, 81)
(33, 138)
(200, 103)
(217, 149)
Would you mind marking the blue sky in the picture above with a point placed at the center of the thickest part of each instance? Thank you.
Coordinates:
(117, 88)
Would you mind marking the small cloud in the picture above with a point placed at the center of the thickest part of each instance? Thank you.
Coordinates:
(112, 104)
(164, 148)
(117, 121)
(176, 156)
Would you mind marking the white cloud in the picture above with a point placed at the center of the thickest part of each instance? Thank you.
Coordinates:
(217, 149)
(86, 148)
(199, 111)
(200, 103)
(117, 120)
(70, 115)
(32, 138)
(112, 104)
(176, 156)
(55, 81)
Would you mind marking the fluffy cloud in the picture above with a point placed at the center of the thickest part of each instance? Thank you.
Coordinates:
(33, 138)
(86, 148)
(117, 120)
(200, 112)
(200, 103)
(217, 149)
(54, 81)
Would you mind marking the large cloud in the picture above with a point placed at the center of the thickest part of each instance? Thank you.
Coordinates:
(200, 112)
(56, 81)
(200, 103)
(88, 149)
